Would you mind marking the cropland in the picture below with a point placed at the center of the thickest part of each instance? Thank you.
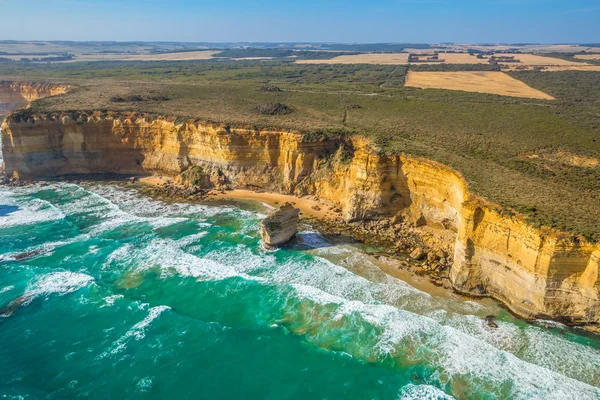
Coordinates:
(492, 82)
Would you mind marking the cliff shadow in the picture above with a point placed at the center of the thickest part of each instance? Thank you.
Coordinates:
(310, 241)
(399, 188)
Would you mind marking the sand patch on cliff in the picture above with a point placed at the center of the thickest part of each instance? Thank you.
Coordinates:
(566, 158)
(475, 81)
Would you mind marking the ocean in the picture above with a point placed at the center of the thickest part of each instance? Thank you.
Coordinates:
(106, 293)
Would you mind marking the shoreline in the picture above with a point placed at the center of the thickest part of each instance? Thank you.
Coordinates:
(309, 206)
(389, 259)
(393, 260)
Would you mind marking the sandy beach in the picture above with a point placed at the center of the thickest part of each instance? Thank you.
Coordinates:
(309, 206)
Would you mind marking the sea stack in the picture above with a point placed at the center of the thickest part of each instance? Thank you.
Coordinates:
(280, 226)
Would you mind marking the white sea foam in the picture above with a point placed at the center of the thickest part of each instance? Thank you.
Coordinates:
(138, 331)
(130, 201)
(191, 239)
(23, 211)
(422, 392)
(168, 256)
(556, 352)
(7, 289)
(455, 354)
(61, 282)
(144, 384)
(44, 249)
(109, 301)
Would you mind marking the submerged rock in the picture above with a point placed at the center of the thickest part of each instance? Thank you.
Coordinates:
(280, 226)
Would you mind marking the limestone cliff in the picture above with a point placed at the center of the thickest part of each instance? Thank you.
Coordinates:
(14, 95)
(12, 92)
(280, 226)
(535, 272)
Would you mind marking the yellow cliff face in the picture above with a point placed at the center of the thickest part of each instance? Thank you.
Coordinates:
(536, 273)
(28, 91)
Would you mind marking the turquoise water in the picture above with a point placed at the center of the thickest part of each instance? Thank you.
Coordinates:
(109, 294)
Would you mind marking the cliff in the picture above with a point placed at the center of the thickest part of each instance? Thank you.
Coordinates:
(535, 272)
(29, 91)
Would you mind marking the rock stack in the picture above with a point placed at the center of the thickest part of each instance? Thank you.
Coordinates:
(280, 226)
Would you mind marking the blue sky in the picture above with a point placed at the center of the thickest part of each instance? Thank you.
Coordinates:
(461, 21)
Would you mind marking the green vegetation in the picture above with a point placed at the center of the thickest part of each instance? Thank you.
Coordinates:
(195, 176)
(67, 57)
(314, 77)
(273, 109)
(537, 157)
(376, 47)
(270, 88)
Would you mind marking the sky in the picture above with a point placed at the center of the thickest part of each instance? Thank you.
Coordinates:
(351, 21)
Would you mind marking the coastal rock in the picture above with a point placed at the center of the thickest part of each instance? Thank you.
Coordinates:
(534, 271)
(280, 226)
(417, 253)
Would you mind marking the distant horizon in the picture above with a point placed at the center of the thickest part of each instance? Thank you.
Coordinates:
(589, 42)
(310, 21)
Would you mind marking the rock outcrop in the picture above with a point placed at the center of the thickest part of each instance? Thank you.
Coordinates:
(29, 91)
(14, 95)
(280, 226)
(535, 272)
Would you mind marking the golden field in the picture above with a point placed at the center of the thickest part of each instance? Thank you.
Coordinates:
(370, 58)
(476, 81)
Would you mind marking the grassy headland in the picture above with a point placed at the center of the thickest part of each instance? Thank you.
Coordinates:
(534, 156)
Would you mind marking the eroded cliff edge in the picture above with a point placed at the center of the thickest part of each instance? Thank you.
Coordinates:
(535, 272)
(30, 91)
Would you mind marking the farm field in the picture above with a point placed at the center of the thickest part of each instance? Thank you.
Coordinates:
(533, 59)
(477, 81)
(368, 58)
(457, 58)
(561, 68)
(588, 56)
(530, 60)
(396, 58)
